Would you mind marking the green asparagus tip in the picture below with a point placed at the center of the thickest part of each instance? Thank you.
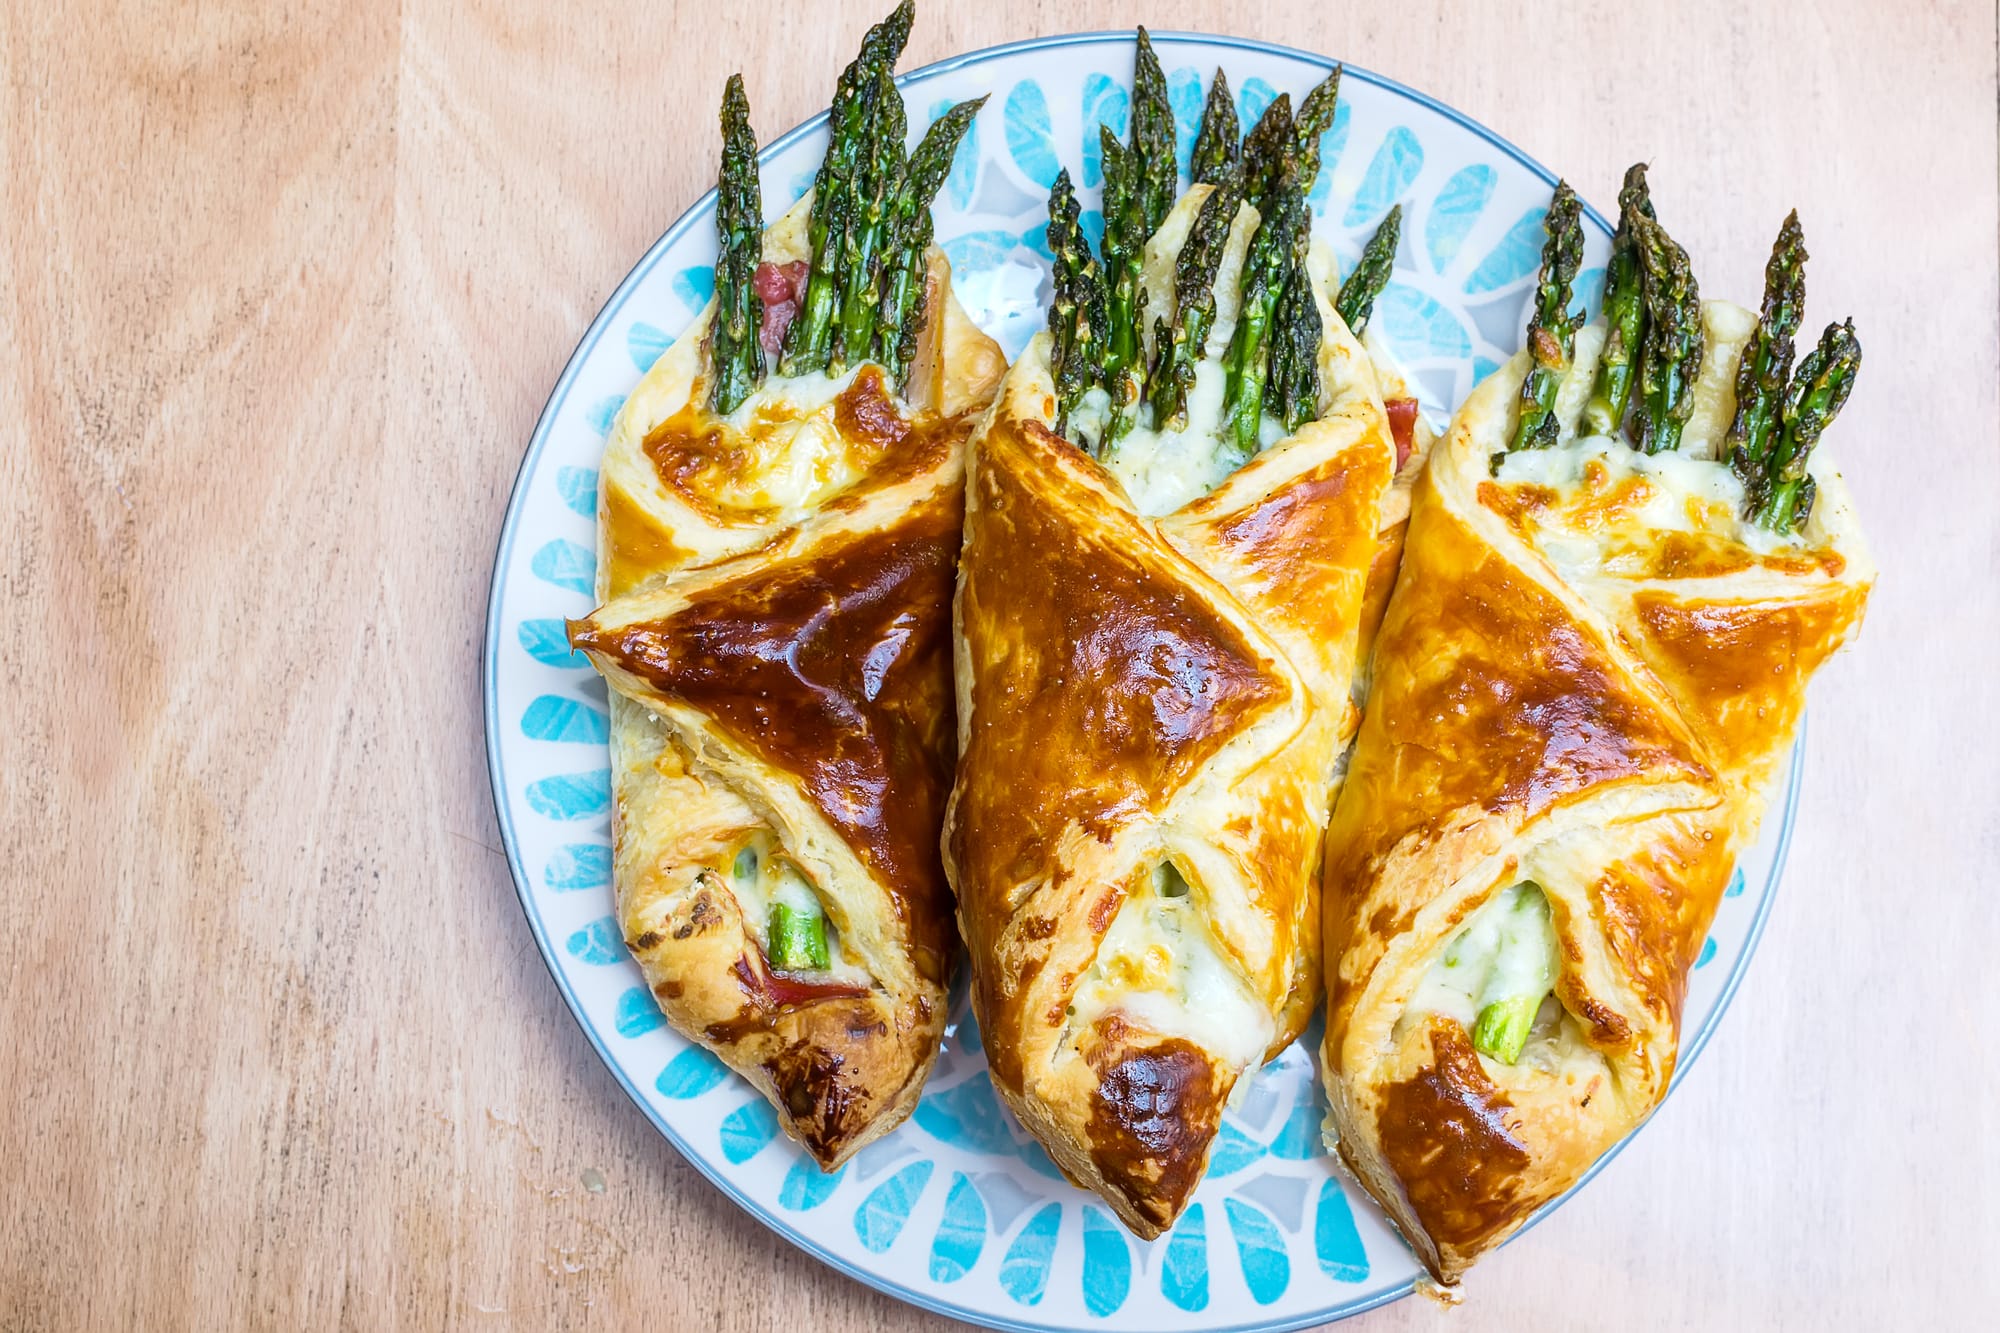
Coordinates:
(1552, 325)
(1356, 302)
(1503, 1027)
(798, 940)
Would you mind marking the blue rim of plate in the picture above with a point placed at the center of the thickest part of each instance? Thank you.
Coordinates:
(496, 773)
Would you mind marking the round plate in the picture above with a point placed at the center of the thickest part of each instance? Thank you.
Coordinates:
(959, 1211)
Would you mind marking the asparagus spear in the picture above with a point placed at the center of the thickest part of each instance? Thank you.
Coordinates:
(1179, 350)
(1152, 139)
(1523, 972)
(1315, 118)
(1248, 361)
(1552, 328)
(798, 938)
(1670, 352)
(1219, 144)
(809, 340)
(903, 263)
(1818, 391)
(1124, 249)
(1624, 310)
(1296, 334)
(1767, 359)
(1077, 310)
(1356, 302)
(739, 226)
(1267, 150)
(868, 238)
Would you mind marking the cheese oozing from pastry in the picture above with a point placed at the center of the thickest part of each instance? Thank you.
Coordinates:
(1592, 486)
(1508, 948)
(1160, 968)
(1507, 952)
(782, 451)
(762, 877)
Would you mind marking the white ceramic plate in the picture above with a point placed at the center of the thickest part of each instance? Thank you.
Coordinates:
(958, 1211)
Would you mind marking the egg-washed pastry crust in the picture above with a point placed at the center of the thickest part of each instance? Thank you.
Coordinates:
(1566, 694)
(775, 625)
(1133, 691)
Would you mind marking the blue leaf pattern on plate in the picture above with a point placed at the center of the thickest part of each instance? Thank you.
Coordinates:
(695, 287)
(1233, 1151)
(1092, 225)
(979, 251)
(969, 1116)
(1299, 1140)
(1416, 326)
(1029, 140)
(604, 412)
(961, 1234)
(1589, 290)
(1707, 953)
(571, 795)
(747, 1129)
(1518, 254)
(578, 486)
(598, 943)
(1454, 210)
(553, 718)
(578, 865)
(1261, 1250)
(645, 342)
(1335, 1241)
(1251, 99)
(1107, 1263)
(879, 1219)
(806, 1187)
(1735, 888)
(545, 640)
(690, 1074)
(566, 565)
(1024, 1273)
(637, 1014)
(1390, 172)
(1105, 102)
(1185, 93)
(1184, 1271)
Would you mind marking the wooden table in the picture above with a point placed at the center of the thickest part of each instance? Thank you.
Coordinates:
(280, 298)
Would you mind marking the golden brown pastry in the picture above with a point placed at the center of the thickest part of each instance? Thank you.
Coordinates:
(775, 584)
(1593, 661)
(1154, 654)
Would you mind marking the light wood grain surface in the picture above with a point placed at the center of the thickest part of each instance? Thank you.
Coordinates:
(282, 290)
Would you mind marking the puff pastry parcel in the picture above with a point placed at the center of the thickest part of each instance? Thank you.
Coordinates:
(775, 584)
(1595, 657)
(1155, 645)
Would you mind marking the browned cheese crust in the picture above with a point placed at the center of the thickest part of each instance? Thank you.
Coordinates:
(1565, 693)
(1134, 691)
(777, 636)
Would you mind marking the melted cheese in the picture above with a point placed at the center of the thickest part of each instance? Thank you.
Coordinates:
(1160, 968)
(760, 877)
(1605, 487)
(781, 450)
(1503, 950)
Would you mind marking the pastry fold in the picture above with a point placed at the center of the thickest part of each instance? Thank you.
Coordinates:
(1587, 674)
(775, 624)
(1150, 711)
